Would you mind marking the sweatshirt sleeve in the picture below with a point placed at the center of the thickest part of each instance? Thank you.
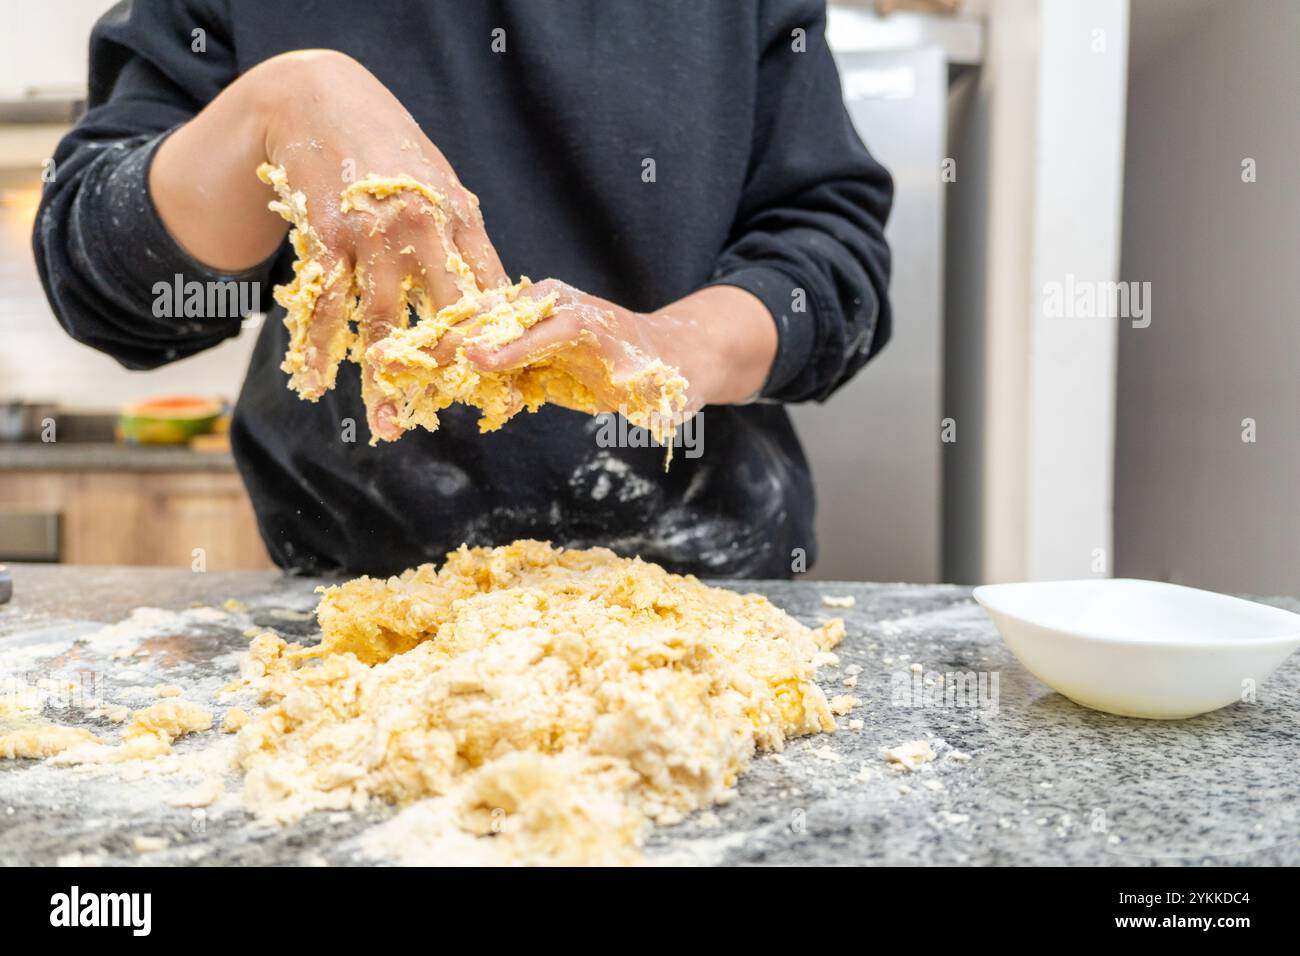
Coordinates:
(100, 245)
(809, 234)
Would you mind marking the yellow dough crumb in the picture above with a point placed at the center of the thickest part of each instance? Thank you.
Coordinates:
(203, 794)
(841, 704)
(556, 700)
(234, 720)
(406, 377)
(36, 743)
(911, 755)
(168, 719)
(150, 734)
(149, 844)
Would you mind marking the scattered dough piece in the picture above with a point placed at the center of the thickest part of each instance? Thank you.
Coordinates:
(831, 600)
(289, 614)
(857, 723)
(149, 734)
(830, 634)
(235, 718)
(167, 690)
(841, 704)
(39, 742)
(851, 681)
(149, 844)
(168, 719)
(234, 606)
(910, 755)
(205, 793)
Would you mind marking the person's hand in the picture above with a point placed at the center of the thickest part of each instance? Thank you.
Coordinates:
(331, 125)
(337, 132)
(392, 219)
(721, 339)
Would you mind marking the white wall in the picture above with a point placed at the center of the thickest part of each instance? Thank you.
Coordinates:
(44, 44)
(39, 362)
(1212, 84)
(1038, 141)
(1078, 187)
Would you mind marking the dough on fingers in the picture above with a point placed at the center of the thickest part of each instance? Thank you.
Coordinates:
(404, 385)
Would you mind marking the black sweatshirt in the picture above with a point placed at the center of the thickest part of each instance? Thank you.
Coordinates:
(759, 182)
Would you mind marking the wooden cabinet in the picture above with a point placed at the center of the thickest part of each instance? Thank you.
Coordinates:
(196, 520)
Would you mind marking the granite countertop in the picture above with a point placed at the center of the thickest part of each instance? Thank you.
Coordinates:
(109, 456)
(1023, 776)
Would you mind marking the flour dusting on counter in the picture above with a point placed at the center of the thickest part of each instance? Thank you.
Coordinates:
(1015, 784)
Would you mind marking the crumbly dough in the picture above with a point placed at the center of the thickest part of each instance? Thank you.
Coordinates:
(405, 371)
(149, 844)
(841, 704)
(558, 700)
(168, 719)
(34, 743)
(150, 734)
(910, 755)
(203, 794)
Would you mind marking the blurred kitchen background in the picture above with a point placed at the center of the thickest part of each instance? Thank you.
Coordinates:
(1033, 143)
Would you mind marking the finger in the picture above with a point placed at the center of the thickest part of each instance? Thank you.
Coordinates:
(477, 250)
(383, 300)
(442, 286)
(327, 335)
(444, 353)
(381, 309)
(562, 330)
(381, 410)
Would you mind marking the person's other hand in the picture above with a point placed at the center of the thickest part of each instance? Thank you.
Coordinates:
(606, 346)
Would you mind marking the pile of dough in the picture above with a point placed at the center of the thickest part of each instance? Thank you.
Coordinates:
(403, 370)
(558, 700)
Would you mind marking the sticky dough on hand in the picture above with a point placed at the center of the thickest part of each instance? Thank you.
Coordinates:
(404, 372)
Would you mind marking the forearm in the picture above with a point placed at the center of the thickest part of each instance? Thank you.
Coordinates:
(730, 342)
(203, 181)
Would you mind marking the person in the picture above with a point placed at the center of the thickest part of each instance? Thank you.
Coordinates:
(688, 166)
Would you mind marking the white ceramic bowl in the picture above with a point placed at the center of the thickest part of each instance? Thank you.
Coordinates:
(1141, 648)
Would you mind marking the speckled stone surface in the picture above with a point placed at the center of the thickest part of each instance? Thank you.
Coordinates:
(109, 456)
(1023, 777)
